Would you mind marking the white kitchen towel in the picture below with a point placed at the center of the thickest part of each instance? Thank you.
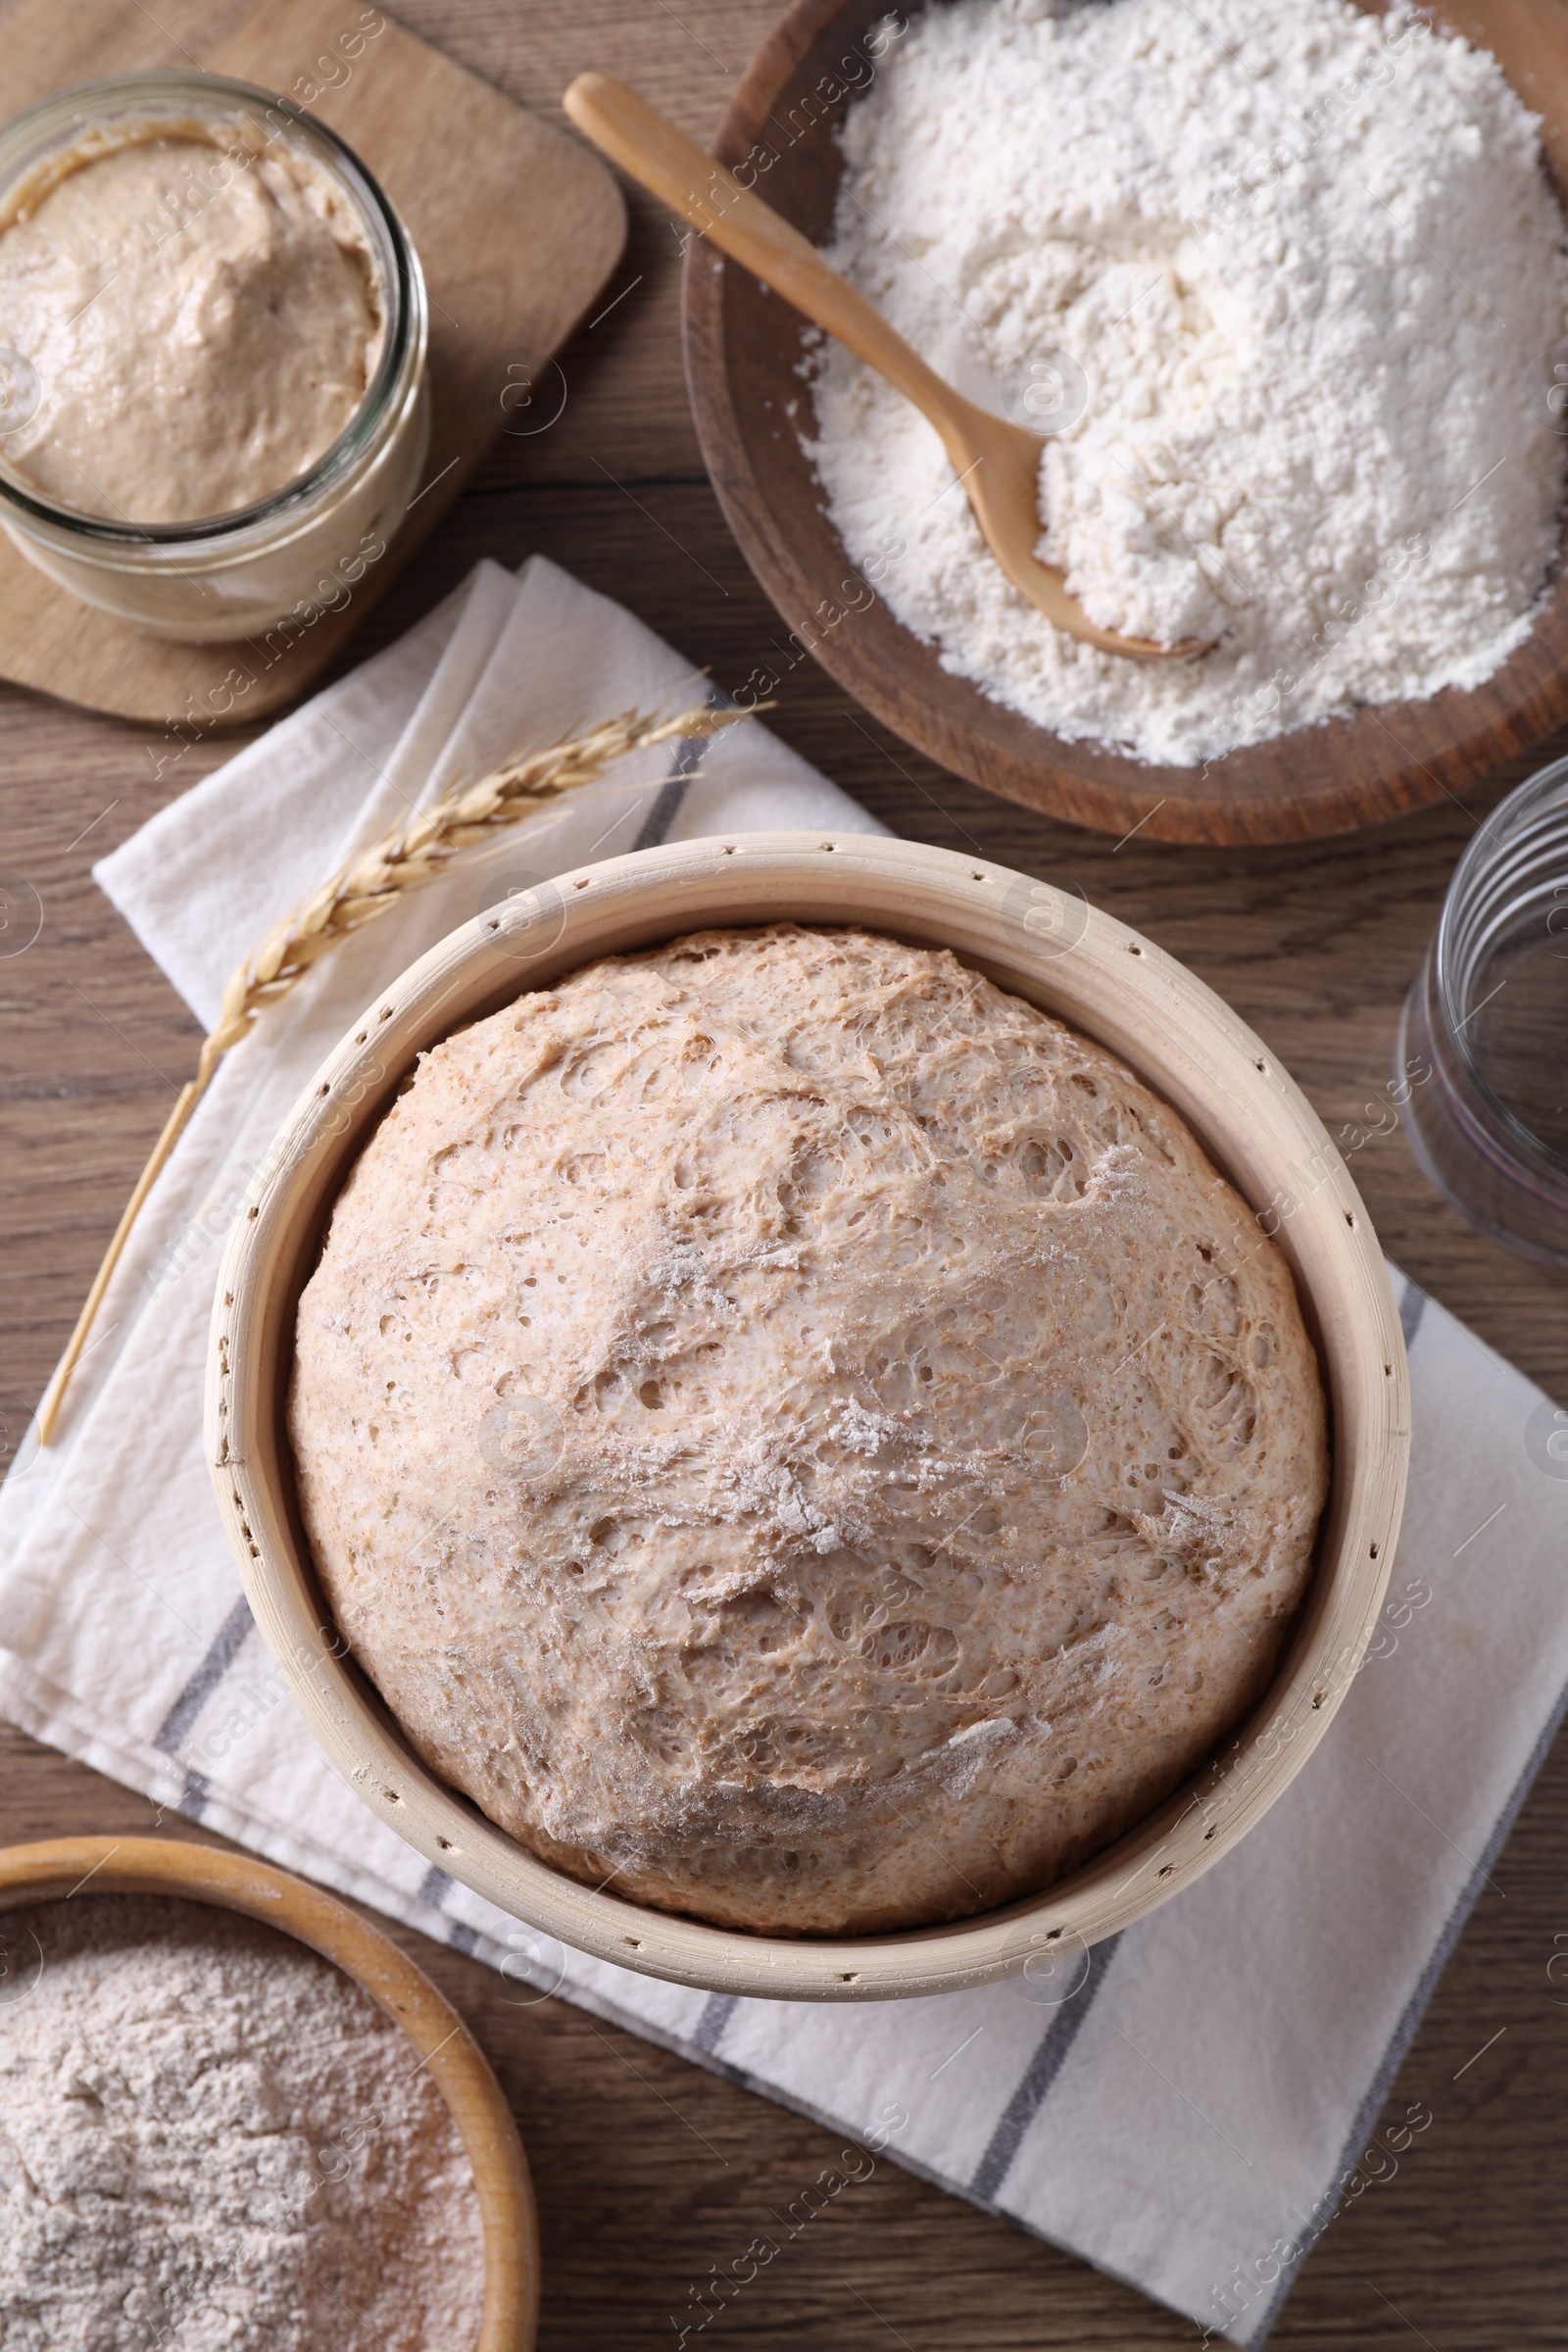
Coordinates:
(1187, 2105)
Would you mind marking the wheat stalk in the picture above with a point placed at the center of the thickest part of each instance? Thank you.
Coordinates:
(413, 853)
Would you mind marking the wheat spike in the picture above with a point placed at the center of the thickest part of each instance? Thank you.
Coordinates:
(413, 853)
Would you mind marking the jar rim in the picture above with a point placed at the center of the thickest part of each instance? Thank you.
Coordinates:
(1482, 870)
(400, 272)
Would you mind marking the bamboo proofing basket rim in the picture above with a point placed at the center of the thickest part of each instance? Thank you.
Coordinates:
(1043, 945)
(57, 1868)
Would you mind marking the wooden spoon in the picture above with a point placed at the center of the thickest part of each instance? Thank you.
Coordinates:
(996, 461)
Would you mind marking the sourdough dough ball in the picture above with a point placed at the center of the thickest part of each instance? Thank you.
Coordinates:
(796, 1429)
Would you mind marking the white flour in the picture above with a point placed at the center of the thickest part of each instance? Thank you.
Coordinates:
(1300, 271)
(213, 2142)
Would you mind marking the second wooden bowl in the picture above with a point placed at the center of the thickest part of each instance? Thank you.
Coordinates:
(744, 350)
(177, 1869)
(1049, 948)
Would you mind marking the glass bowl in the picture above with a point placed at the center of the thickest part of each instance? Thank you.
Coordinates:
(1489, 1015)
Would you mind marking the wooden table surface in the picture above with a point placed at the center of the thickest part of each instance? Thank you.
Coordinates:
(648, 2168)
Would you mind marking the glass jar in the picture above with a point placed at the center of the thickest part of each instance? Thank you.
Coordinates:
(1488, 1013)
(237, 574)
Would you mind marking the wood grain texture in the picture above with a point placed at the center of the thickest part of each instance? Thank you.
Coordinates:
(516, 230)
(52, 1870)
(649, 2169)
(744, 354)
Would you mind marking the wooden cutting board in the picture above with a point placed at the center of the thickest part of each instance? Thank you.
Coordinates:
(517, 226)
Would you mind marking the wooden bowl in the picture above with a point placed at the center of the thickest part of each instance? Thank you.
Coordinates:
(1060, 955)
(204, 1874)
(743, 349)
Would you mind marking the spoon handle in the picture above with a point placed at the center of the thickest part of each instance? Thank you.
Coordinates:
(648, 146)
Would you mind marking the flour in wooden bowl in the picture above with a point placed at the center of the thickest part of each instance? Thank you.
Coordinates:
(212, 2140)
(796, 1429)
(1282, 281)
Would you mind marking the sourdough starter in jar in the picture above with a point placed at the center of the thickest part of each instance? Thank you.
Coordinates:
(203, 321)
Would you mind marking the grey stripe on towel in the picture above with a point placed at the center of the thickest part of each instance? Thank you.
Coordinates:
(1038, 2076)
(690, 751)
(717, 2010)
(222, 1650)
(434, 1887)
(1413, 1306)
